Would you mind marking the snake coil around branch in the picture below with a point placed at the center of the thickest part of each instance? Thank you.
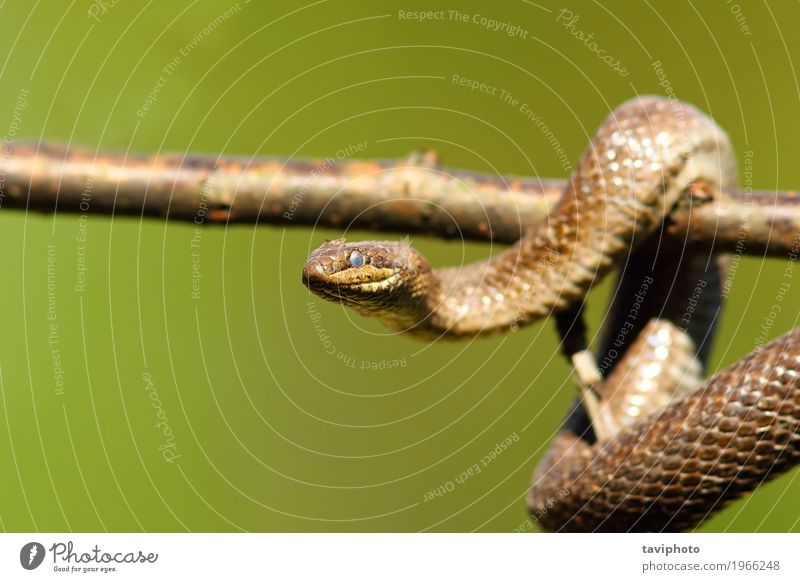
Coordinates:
(659, 450)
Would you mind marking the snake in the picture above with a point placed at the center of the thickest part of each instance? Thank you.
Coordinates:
(672, 449)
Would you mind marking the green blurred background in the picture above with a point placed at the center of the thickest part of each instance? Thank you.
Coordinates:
(272, 433)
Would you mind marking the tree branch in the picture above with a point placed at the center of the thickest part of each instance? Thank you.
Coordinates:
(412, 195)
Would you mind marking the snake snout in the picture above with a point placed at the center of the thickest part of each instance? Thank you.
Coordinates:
(314, 273)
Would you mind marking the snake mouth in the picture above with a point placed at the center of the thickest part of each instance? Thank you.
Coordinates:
(366, 281)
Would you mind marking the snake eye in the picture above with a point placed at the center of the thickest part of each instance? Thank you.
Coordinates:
(356, 259)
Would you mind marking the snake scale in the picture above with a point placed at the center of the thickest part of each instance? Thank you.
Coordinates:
(662, 450)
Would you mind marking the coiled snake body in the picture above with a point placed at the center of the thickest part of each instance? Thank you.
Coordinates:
(670, 450)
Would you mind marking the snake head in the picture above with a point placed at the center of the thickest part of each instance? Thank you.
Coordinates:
(370, 276)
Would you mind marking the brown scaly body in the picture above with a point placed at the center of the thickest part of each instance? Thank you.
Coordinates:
(670, 471)
(656, 470)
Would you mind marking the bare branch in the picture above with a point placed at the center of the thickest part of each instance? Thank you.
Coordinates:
(412, 195)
